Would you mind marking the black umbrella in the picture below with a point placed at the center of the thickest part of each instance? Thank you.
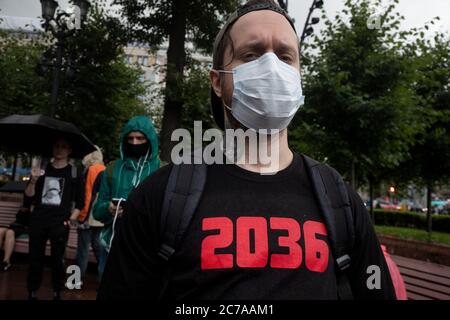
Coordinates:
(36, 134)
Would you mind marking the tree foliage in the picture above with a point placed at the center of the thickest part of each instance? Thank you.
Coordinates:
(21, 91)
(176, 22)
(360, 107)
(98, 94)
(430, 161)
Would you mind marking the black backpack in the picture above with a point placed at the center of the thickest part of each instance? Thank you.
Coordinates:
(184, 190)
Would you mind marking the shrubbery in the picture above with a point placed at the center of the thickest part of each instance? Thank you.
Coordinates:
(441, 223)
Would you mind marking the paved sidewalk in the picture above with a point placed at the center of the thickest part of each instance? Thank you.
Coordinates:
(13, 286)
(424, 281)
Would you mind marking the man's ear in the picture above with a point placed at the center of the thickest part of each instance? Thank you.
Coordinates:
(214, 77)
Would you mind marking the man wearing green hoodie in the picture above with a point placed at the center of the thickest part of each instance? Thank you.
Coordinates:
(138, 159)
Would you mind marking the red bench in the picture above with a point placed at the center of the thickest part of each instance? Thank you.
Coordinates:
(424, 280)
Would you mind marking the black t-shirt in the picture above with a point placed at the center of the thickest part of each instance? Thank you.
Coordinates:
(252, 237)
(55, 192)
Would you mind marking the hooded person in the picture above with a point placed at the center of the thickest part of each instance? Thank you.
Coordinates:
(138, 159)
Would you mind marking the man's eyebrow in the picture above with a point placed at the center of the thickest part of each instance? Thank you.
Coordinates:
(285, 47)
(280, 46)
(251, 45)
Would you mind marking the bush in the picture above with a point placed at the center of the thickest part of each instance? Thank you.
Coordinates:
(441, 223)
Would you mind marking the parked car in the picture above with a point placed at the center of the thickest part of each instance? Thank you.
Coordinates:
(446, 208)
(383, 204)
(440, 206)
(409, 205)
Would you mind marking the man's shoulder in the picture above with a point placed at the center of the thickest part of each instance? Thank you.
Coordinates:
(153, 186)
(112, 163)
(354, 198)
(311, 162)
(110, 168)
(159, 176)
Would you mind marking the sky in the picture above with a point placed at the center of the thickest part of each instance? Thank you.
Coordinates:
(416, 12)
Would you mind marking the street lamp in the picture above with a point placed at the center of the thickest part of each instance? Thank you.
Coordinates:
(84, 8)
(391, 193)
(308, 29)
(283, 4)
(48, 8)
(62, 25)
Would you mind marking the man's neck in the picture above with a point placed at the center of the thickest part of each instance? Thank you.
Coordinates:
(59, 163)
(276, 156)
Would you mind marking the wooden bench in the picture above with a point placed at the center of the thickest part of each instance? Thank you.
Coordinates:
(424, 280)
(8, 210)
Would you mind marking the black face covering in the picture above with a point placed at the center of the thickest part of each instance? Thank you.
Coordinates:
(136, 150)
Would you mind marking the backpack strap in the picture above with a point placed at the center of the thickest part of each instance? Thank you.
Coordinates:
(183, 192)
(334, 204)
(74, 172)
(94, 194)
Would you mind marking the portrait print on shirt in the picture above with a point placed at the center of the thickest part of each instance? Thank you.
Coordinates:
(52, 191)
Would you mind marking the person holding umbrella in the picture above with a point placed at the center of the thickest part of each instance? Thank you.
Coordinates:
(58, 197)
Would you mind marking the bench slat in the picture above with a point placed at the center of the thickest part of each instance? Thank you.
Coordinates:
(427, 285)
(423, 266)
(424, 276)
(425, 292)
(414, 296)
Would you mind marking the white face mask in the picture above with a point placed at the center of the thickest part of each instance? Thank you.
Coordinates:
(267, 93)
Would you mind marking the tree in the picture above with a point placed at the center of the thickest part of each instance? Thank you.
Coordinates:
(104, 92)
(360, 110)
(21, 91)
(195, 92)
(178, 22)
(100, 93)
(429, 163)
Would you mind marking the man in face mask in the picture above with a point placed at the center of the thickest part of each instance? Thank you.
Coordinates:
(136, 145)
(251, 236)
(138, 159)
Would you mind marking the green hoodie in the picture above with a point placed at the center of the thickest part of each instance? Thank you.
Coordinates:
(126, 172)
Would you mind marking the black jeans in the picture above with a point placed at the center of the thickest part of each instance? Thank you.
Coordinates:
(39, 234)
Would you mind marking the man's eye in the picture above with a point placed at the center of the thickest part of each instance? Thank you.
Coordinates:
(250, 56)
(287, 59)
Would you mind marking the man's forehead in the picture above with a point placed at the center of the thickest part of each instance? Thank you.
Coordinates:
(62, 141)
(135, 134)
(261, 22)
